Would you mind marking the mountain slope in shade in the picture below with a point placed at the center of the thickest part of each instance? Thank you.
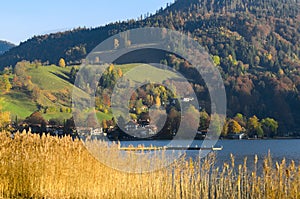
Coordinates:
(5, 46)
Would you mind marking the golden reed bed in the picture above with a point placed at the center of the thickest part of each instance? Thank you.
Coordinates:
(49, 167)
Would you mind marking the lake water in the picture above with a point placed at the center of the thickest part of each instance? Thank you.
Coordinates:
(279, 149)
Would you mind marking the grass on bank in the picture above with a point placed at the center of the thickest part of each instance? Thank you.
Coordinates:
(49, 167)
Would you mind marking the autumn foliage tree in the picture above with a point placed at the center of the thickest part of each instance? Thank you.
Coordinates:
(204, 120)
(36, 118)
(104, 124)
(4, 119)
(62, 63)
(106, 100)
(269, 126)
(5, 84)
(254, 127)
(234, 127)
(120, 73)
(157, 101)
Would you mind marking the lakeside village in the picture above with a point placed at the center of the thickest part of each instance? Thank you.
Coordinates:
(143, 129)
(140, 129)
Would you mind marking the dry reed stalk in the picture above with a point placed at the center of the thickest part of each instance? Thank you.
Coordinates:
(48, 167)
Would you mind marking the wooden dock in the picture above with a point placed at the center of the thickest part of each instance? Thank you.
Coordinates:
(155, 148)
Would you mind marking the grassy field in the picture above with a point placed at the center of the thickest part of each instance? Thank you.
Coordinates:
(101, 116)
(146, 72)
(54, 81)
(49, 167)
(18, 104)
(50, 78)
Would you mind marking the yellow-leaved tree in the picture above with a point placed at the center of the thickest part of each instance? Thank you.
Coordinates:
(111, 68)
(157, 101)
(5, 84)
(4, 119)
(120, 73)
(234, 127)
(62, 63)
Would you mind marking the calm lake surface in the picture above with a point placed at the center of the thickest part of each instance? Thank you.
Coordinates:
(279, 149)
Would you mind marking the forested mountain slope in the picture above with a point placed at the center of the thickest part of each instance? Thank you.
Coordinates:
(5, 46)
(256, 45)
